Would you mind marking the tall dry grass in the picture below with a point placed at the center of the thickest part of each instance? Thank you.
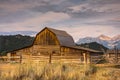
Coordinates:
(59, 71)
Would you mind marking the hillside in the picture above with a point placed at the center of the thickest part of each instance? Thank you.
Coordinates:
(12, 42)
(94, 45)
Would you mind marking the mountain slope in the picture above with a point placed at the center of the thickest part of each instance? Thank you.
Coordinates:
(31, 33)
(12, 42)
(102, 39)
(94, 45)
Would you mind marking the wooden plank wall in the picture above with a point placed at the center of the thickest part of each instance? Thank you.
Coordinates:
(69, 58)
(64, 59)
(10, 59)
(36, 59)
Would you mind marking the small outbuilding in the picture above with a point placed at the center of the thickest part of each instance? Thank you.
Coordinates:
(113, 55)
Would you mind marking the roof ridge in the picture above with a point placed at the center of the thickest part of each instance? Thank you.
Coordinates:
(55, 29)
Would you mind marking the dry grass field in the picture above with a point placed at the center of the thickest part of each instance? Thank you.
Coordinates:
(58, 71)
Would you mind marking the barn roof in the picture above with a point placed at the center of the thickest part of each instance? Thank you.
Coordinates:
(66, 40)
(63, 37)
(82, 48)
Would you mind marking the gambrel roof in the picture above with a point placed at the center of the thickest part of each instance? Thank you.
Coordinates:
(63, 37)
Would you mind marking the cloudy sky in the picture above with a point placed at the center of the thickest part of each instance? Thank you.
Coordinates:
(80, 18)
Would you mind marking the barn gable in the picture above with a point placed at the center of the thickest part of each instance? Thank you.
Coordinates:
(49, 36)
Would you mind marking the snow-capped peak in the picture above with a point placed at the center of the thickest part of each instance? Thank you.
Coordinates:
(116, 37)
(104, 37)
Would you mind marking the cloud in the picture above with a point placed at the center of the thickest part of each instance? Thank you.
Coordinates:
(35, 14)
(36, 21)
(18, 10)
(97, 12)
(47, 18)
(98, 6)
(85, 9)
(81, 31)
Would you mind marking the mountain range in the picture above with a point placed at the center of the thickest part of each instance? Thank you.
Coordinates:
(30, 33)
(102, 39)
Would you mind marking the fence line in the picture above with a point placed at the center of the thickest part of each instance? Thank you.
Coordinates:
(77, 59)
(40, 58)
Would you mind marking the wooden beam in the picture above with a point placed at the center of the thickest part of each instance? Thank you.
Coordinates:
(88, 57)
(85, 59)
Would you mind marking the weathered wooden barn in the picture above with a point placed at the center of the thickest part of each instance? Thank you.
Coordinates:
(53, 45)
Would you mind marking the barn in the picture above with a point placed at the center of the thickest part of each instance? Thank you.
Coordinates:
(51, 45)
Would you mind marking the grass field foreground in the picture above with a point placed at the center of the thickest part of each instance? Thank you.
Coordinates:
(58, 71)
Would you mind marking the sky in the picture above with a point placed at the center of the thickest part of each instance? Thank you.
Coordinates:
(80, 18)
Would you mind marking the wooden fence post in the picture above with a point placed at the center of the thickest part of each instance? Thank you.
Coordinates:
(88, 57)
(50, 57)
(8, 57)
(20, 58)
(84, 56)
(116, 55)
